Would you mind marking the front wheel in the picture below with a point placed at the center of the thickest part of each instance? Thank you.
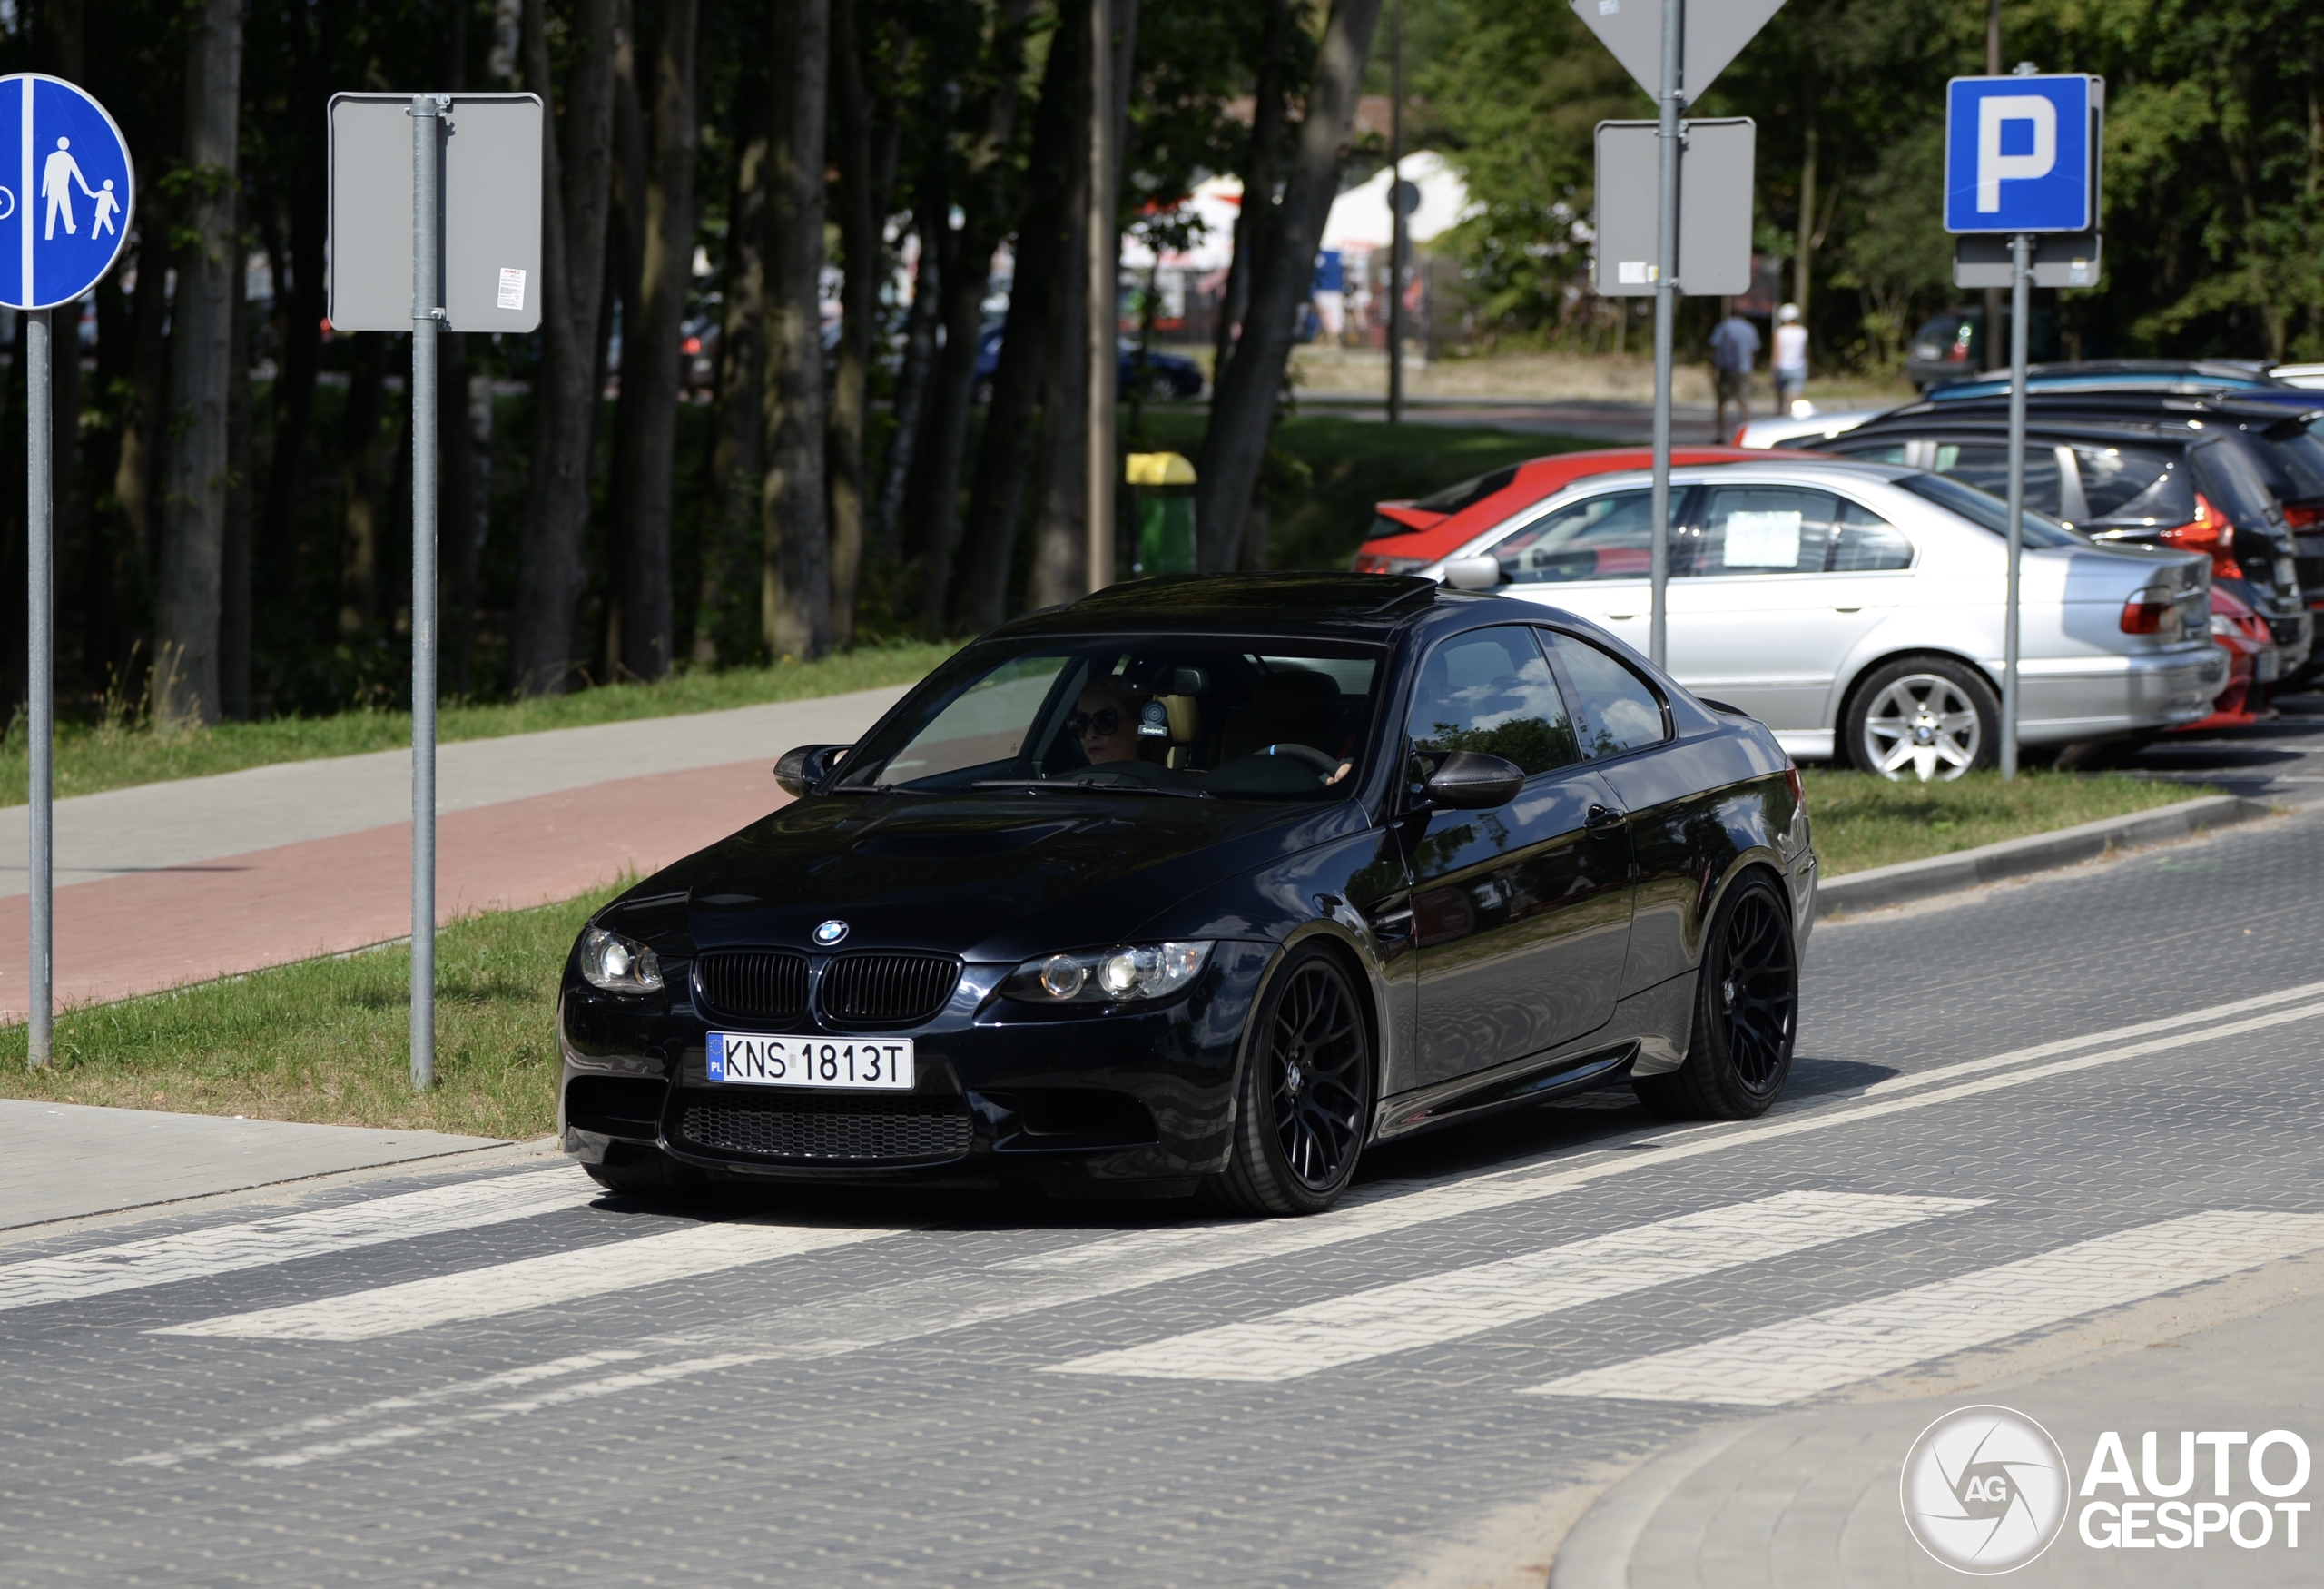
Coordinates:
(1746, 1013)
(1305, 1094)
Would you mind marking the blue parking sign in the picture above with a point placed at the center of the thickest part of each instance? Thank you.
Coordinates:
(67, 190)
(2020, 154)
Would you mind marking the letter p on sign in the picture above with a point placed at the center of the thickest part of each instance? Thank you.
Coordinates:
(1996, 112)
(2020, 154)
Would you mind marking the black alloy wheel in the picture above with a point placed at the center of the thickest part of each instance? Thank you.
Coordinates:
(1746, 1012)
(1306, 1096)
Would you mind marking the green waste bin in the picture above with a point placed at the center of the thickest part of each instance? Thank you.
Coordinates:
(1162, 491)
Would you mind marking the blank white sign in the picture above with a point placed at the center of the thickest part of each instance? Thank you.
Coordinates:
(488, 189)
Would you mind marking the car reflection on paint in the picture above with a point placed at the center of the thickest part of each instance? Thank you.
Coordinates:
(1202, 886)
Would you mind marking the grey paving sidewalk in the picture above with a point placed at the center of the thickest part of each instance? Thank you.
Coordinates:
(1808, 1499)
(68, 1159)
(154, 827)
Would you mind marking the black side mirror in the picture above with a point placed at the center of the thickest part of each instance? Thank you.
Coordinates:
(801, 769)
(1469, 780)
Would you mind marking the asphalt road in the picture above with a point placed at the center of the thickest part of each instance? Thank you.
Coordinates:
(2106, 1077)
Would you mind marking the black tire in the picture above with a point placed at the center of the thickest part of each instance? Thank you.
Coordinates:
(1746, 1012)
(1922, 704)
(1306, 1098)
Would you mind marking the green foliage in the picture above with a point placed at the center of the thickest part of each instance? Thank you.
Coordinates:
(1860, 819)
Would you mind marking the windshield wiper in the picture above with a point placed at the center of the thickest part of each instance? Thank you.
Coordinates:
(1077, 785)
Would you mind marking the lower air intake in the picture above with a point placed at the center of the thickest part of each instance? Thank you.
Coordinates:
(831, 1131)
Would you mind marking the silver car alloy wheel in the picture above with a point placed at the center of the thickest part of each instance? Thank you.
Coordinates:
(1925, 724)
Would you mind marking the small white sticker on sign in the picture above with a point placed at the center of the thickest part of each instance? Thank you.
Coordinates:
(1630, 272)
(1608, 7)
(512, 288)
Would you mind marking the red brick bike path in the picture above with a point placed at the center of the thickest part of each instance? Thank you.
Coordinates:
(120, 936)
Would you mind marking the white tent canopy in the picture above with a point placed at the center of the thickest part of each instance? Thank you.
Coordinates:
(1358, 224)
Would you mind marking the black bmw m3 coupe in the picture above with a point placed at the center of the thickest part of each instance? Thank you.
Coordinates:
(1199, 885)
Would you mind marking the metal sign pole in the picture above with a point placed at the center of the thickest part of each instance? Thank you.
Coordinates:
(40, 672)
(427, 121)
(2021, 249)
(1666, 305)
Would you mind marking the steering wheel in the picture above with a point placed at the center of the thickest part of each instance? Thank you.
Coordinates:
(1307, 756)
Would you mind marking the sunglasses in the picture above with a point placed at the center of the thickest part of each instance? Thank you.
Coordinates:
(1105, 722)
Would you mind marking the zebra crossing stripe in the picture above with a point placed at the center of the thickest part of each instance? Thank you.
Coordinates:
(190, 1255)
(1470, 1301)
(1800, 1358)
(528, 1283)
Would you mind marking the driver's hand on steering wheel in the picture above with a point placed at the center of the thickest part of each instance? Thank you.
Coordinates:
(1342, 771)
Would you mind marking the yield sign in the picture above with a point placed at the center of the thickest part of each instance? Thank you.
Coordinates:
(1715, 32)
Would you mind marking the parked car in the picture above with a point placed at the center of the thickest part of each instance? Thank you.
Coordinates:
(1149, 894)
(1951, 346)
(2254, 665)
(2178, 375)
(1155, 372)
(1856, 609)
(1409, 537)
(1805, 428)
(2182, 471)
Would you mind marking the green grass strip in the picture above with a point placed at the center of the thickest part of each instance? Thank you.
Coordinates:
(1860, 819)
(117, 752)
(330, 1041)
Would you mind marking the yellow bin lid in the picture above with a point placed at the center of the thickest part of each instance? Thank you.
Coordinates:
(1157, 469)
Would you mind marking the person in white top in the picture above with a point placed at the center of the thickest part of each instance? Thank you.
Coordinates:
(1791, 356)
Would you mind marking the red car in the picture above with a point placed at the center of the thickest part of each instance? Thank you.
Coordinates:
(1410, 536)
(2253, 664)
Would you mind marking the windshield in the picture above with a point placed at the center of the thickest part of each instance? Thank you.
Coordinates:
(1989, 511)
(1221, 718)
(1467, 493)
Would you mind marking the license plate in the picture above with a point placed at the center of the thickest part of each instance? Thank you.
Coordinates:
(753, 1060)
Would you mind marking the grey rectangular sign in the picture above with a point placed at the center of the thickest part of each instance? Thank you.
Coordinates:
(1715, 160)
(2061, 259)
(490, 266)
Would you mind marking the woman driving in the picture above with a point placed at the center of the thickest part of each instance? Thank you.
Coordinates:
(1104, 720)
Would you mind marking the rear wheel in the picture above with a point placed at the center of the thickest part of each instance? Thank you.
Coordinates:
(1926, 717)
(1746, 1012)
(1306, 1091)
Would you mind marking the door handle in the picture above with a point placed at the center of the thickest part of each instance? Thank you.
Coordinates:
(1601, 816)
(1848, 610)
(1620, 617)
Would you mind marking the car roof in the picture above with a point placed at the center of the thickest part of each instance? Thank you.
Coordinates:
(1765, 463)
(1372, 604)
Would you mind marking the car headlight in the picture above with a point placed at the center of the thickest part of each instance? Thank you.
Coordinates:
(619, 964)
(1129, 974)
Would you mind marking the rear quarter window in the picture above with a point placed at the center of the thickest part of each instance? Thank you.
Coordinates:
(2230, 479)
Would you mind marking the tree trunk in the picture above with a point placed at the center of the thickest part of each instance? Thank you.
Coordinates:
(862, 153)
(1257, 208)
(1005, 456)
(795, 604)
(194, 528)
(1060, 516)
(625, 251)
(576, 195)
(907, 423)
(361, 452)
(1243, 412)
(984, 196)
(736, 467)
(1803, 272)
(464, 427)
(234, 630)
(650, 355)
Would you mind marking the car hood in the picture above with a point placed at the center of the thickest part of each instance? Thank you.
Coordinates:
(989, 877)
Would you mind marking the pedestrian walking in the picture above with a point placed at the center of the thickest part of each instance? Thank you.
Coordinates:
(1734, 348)
(1791, 358)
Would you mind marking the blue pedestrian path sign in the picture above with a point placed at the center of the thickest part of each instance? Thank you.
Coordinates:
(2020, 154)
(67, 190)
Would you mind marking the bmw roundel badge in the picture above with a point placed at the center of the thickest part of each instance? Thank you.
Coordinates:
(831, 933)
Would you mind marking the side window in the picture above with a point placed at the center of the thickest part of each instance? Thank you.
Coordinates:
(1864, 543)
(1890, 453)
(1986, 465)
(2127, 485)
(1600, 538)
(1762, 530)
(1490, 691)
(1618, 712)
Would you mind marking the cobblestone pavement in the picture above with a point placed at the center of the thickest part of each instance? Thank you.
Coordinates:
(505, 1379)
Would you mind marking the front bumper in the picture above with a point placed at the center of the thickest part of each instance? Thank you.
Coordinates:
(1082, 1099)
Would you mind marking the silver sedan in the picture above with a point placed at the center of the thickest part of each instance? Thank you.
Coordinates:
(1857, 608)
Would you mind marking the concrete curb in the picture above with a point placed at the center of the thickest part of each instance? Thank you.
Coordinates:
(1596, 1554)
(1912, 880)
